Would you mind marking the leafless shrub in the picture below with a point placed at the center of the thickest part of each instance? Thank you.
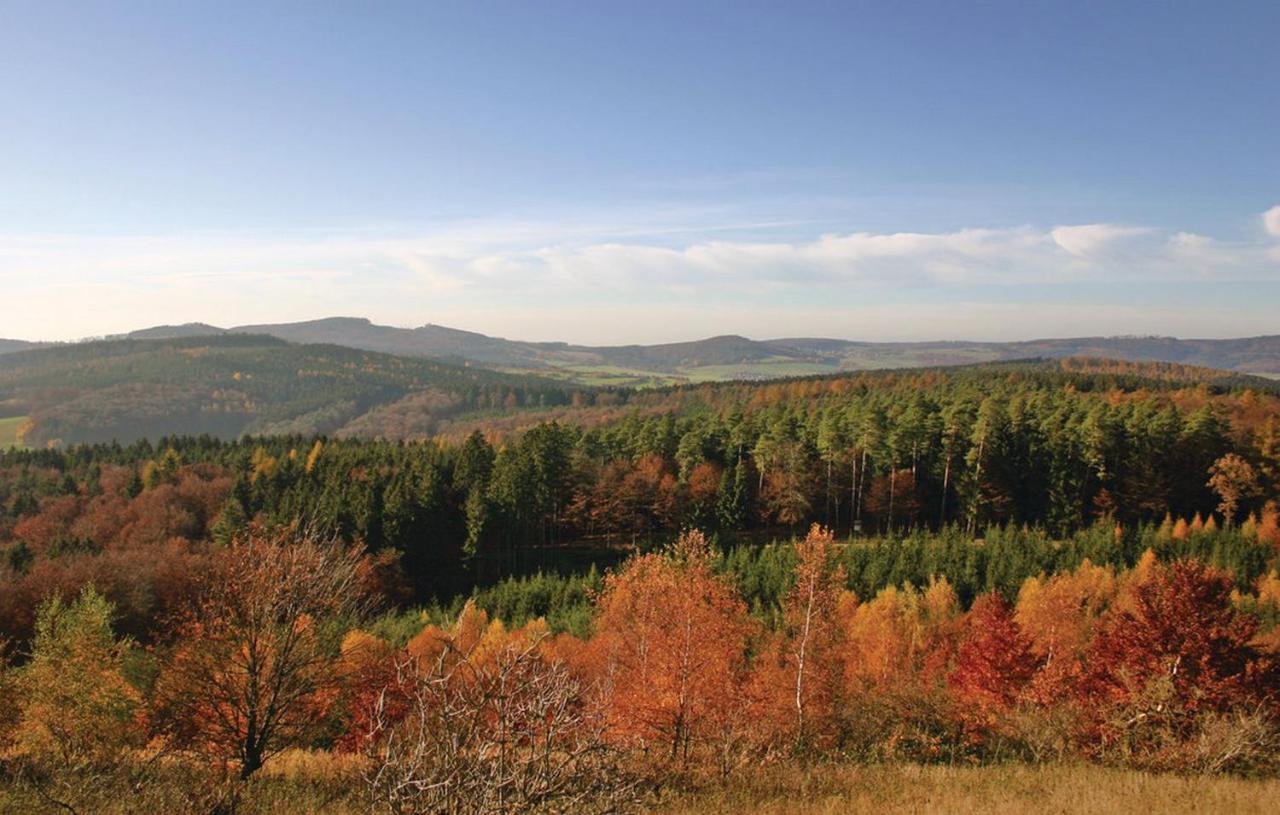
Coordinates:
(902, 724)
(500, 733)
(1154, 733)
(1243, 741)
(1040, 733)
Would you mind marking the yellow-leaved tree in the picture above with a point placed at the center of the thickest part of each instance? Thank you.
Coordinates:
(74, 705)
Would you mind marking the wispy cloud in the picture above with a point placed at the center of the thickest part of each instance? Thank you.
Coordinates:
(72, 279)
(1271, 221)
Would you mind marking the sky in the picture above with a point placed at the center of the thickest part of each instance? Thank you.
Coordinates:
(604, 172)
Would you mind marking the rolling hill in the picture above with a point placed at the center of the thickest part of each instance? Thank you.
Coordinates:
(9, 346)
(229, 385)
(1247, 355)
(736, 357)
(727, 357)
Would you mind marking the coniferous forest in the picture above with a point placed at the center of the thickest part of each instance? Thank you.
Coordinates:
(594, 607)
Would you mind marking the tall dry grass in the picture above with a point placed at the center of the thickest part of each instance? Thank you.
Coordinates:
(1007, 789)
(313, 783)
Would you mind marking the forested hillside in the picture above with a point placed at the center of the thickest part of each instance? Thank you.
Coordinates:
(230, 385)
(7, 346)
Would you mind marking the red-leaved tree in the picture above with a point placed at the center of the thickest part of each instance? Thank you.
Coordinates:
(994, 664)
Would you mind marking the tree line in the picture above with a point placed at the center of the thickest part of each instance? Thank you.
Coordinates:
(870, 455)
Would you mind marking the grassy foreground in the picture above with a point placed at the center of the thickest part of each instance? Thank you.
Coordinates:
(1009, 789)
(299, 785)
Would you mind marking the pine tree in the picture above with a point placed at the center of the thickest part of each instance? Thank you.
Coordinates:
(731, 505)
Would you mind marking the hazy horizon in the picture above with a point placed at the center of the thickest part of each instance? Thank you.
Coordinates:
(683, 339)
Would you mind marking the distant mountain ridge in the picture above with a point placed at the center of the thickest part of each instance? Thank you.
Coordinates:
(173, 332)
(722, 357)
(9, 346)
(1249, 354)
(229, 384)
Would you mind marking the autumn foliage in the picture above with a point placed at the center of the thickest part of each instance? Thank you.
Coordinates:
(1180, 624)
(994, 664)
(670, 650)
(250, 672)
(807, 649)
(1167, 665)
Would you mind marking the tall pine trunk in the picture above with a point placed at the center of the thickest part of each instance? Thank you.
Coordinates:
(946, 481)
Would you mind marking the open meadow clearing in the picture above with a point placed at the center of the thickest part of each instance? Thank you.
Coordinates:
(303, 782)
(9, 428)
(1008, 789)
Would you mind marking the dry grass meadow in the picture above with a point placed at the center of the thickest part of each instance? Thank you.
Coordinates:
(1010, 790)
(300, 782)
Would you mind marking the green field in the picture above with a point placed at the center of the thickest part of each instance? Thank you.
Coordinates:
(776, 368)
(875, 359)
(617, 376)
(9, 431)
(601, 376)
(762, 369)
(606, 375)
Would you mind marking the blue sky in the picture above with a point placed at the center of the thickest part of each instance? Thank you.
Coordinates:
(617, 172)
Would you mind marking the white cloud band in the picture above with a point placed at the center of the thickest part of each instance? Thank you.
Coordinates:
(235, 278)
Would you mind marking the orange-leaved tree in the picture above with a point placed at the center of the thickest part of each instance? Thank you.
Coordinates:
(670, 648)
(482, 719)
(900, 636)
(250, 672)
(1060, 614)
(897, 650)
(1179, 624)
(368, 668)
(810, 660)
(1234, 480)
(1173, 657)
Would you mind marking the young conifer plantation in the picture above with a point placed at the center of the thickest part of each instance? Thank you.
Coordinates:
(724, 597)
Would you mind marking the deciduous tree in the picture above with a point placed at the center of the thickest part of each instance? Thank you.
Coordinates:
(994, 663)
(809, 613)
(671, 641)
(1233, 479)
(1177, 643)
(75, 704)
(250, 672)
